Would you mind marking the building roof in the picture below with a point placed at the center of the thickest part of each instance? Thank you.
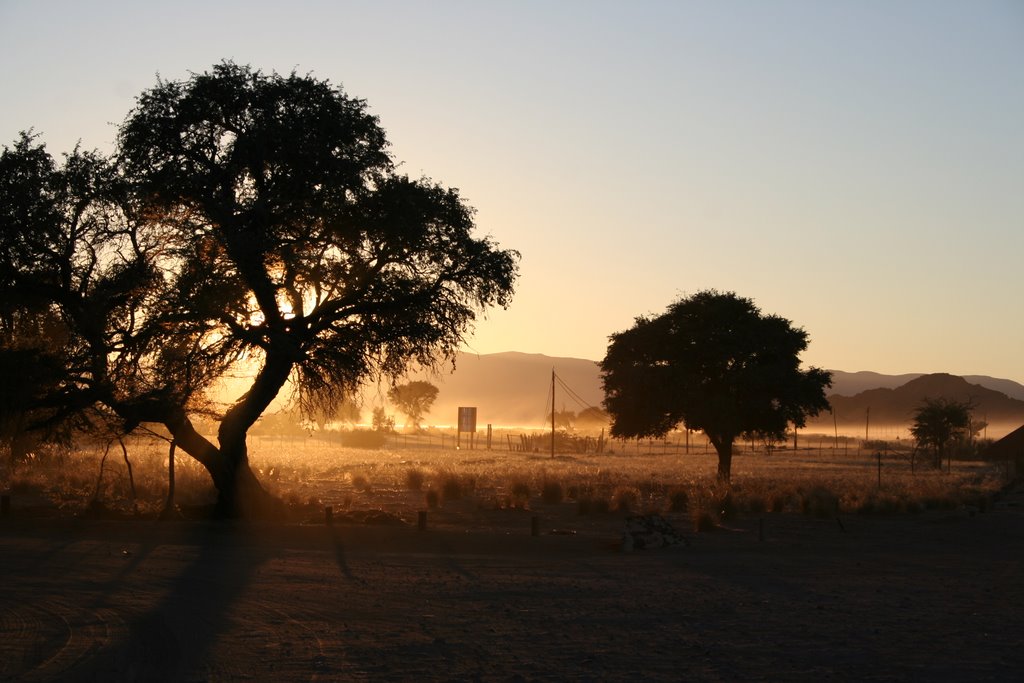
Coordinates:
(1010, 446)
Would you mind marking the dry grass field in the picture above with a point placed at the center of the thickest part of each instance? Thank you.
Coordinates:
(415, 473)
(805, 569)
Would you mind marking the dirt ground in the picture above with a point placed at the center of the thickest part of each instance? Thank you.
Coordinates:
(935, 596)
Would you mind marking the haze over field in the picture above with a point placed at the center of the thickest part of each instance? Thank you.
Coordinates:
(514, 389)
(852, 167)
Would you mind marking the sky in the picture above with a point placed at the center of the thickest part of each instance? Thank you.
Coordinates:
(857, 167)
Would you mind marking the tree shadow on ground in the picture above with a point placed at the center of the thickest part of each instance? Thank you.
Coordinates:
(174, 640)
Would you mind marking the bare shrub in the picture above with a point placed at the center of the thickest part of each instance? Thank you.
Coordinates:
(520, 495)
(414, 478)
(455, 486)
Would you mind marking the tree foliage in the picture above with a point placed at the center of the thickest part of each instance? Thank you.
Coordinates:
(248, 222)
(413, 399)
(939, 423)
(711, 362)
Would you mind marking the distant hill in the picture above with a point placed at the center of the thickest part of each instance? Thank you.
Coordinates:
(513, 388)
(852, 383)
(897, 405)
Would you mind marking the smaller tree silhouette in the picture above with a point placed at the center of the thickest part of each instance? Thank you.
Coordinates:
(940, 423)
(711, 362)
(413, 400)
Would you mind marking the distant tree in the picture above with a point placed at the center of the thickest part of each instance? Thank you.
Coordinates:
(414, 400)
(564, 419)
(938, 424)
(382, 422)
(711, 362)
(251, 221)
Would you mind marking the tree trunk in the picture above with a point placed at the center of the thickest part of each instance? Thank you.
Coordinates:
(239, 493)
(723, 446)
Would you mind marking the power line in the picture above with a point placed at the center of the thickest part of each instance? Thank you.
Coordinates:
(572, 394)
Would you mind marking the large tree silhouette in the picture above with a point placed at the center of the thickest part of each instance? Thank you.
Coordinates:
(715, 363)
(254, 221)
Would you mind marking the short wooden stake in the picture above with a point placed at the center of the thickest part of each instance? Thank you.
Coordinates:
(760, 529)
(535, 526)
(329, 515)
(5, 505)
(421, 521)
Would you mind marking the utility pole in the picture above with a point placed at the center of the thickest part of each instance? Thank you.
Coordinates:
(552, 412)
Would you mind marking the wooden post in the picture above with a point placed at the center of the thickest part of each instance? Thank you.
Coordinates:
(535, 526)
(5, 505)
(421, 520)
(329, 515)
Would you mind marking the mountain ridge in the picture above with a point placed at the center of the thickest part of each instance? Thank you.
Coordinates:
(513, 388)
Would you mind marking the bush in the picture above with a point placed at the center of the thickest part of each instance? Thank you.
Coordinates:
(455, 486)
(551, 493)
(703, 520)
(520, 495)
(414, 478)
(626, 499)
